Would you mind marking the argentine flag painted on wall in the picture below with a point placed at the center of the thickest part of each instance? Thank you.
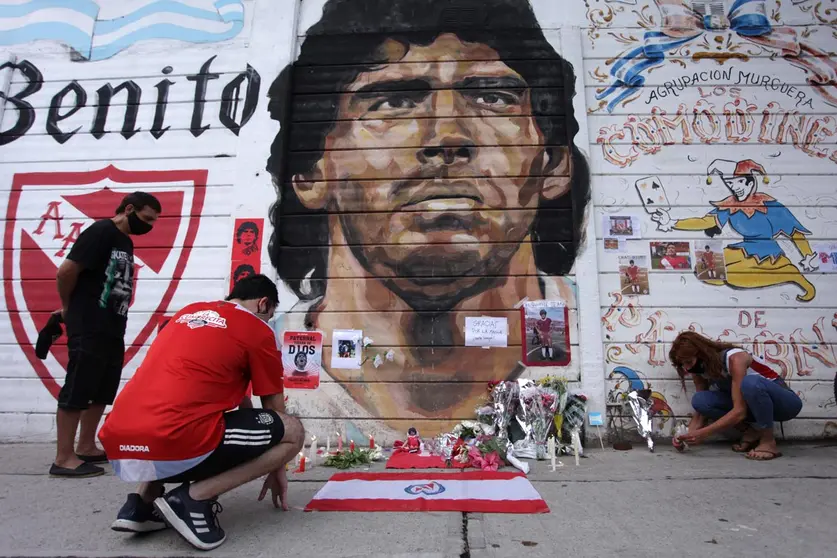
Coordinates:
(99, 29)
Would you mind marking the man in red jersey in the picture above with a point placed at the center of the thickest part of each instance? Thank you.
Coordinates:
(174, 421)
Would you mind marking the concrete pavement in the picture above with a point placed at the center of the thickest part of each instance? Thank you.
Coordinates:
(708, 502)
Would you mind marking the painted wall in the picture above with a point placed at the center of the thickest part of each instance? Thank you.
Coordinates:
(738, 81)
(323, 148)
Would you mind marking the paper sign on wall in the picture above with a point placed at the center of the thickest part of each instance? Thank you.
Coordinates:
(826, 256)
(302, 357)
(485, 331)
(246, 249)
(346, 348)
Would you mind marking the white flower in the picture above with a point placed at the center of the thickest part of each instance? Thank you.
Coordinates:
(378, 361)
(390, 356)
(367, 341)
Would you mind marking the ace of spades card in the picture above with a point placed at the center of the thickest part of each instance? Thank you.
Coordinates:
(652, 194)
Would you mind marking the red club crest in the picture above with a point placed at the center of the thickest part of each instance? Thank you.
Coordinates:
(46, 213)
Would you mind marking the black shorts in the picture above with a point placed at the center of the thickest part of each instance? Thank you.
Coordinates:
(94, 370)
(248, 433)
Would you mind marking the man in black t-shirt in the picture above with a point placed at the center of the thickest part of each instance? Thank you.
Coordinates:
(95, 284)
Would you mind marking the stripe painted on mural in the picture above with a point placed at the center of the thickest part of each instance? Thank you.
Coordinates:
(80, 25)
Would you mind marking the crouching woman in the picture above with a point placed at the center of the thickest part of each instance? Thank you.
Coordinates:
(736, 389)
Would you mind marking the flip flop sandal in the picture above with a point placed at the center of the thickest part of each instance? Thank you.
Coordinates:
(82, 471)
(772, 454)
(745, 447)
(101, 458)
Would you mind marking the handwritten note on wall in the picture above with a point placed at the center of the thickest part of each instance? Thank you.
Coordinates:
(485, 331)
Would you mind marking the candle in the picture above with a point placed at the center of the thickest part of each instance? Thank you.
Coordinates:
(339, 443)
(328, 445)
(313, 454)
(351, 445)
(371, 443)
(302, 464)
(550, 446)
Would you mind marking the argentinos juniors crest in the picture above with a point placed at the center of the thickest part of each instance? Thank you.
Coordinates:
(46, 213)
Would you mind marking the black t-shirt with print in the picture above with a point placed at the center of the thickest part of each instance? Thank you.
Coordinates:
(100, 300)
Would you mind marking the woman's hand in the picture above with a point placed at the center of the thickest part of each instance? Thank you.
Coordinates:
(694, 438)
(277, 483)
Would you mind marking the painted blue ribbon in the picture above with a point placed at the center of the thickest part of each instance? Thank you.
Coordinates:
(746, 18)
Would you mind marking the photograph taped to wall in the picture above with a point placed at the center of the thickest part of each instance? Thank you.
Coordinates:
(346, 348)
(302, 356)
(670, 256)
(545, 333)
(709, 260)
(621, 226)
(826, 256)
(652, 194)
(614, 245)
(633, 275)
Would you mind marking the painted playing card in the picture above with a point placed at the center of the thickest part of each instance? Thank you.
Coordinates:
(652, 194)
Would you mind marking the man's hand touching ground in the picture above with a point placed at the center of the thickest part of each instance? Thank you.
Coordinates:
(277, 483)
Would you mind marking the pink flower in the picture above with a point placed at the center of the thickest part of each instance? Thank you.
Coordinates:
(475, 457)
(491, 461)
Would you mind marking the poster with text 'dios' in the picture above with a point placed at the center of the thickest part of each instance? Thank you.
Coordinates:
(302, 358)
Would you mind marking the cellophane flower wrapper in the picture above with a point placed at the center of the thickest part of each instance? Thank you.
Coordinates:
(640, 409)
(485, 416)
(524, 417)
(574, 413)
(540, 404)
(504, 397)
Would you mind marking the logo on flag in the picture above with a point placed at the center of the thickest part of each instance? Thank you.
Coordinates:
(45, 215)
(426, 489)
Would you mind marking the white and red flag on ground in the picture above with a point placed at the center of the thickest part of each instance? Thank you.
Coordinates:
(470, 491)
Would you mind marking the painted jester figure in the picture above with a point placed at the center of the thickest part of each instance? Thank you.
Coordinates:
(758, 260)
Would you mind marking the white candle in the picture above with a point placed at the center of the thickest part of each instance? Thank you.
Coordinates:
(550, 447)
(328, 446)
(313, 452)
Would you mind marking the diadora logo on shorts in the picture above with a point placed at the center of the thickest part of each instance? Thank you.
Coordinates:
(203, 318)
(143, 449)
(428, 489)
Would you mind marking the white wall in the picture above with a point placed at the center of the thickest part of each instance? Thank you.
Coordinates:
(623, 145)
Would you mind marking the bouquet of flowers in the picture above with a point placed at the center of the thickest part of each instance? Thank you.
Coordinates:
(540, 404)
(574, 419)
(504, 397)
(561, 386)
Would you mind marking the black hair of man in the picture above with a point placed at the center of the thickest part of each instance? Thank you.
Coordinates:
(255, 287)
(140, 200)
(345, 43)
(246, 226)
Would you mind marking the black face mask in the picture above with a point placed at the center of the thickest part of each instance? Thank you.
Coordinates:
(137, 226)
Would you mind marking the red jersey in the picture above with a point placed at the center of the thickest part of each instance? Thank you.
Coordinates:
(197, 368)
(632, 272)
(675, 262)
(544, 326)
(709, 260)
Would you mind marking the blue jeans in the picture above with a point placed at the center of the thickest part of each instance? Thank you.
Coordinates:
(766, 400)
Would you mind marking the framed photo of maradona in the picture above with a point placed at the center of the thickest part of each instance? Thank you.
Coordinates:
(545, 335)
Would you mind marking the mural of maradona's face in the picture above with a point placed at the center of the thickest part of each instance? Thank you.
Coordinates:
(448, 110)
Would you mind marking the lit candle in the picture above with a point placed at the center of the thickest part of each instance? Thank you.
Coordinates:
(371, 443)
(302, 463)
(339, 443)
(351, 445)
